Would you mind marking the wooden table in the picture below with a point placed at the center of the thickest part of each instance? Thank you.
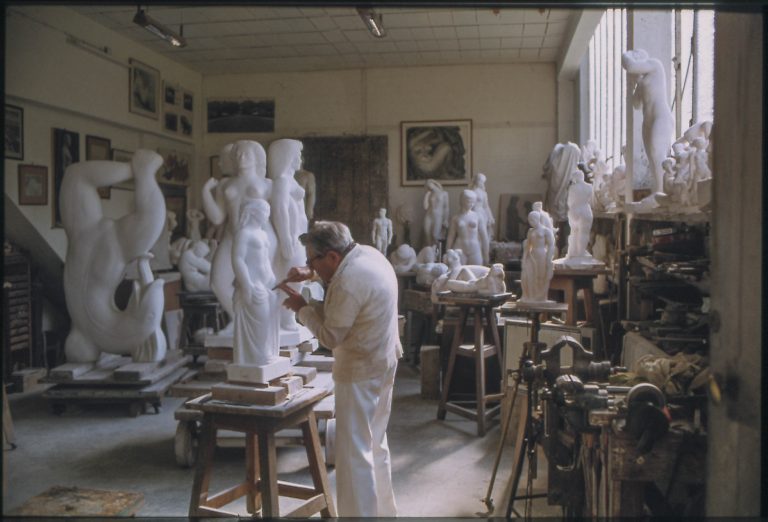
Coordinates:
(570, 281)
(261, 487)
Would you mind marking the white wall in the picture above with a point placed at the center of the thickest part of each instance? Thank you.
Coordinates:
(62, 86)
(512, 108)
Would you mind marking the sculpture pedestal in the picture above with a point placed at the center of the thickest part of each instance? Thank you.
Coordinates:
(578, 262)
(258, 374)
(570, 281)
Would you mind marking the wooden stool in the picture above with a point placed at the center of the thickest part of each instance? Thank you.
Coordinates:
(261, 487)
(570, 281)
(482, 309)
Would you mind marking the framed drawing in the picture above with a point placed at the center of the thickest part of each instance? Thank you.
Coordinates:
(215, 168)
(188, 101)
(241, 115)
(14, 132)
(99, 149)
(33, 185)
(171, 122)
(123, 156)
(513, 216)
(176, 202)
(144, 89)
(176, 167)
(440, 150)
(185, 125)
(66, 151)
(169, 94)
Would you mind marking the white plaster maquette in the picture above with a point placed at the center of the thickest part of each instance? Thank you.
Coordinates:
(466, 232)
(403, 258)
(580, 221)
(289, 216)
(482, 206)
(195, 268)
(491, 283)
(436, 212)
(256, 319)
(537, 264)
(98, 250)
(456, 271)
(562, 161)
(648, 83)
(221, 203)
(382, 231)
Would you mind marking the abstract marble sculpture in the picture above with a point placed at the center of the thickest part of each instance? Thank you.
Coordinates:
(195, 268)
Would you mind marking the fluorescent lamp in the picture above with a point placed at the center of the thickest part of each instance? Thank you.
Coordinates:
(155, 27)
(372, 21)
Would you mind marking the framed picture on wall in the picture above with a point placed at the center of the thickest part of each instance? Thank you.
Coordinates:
(169, 94)
(123, 156)
(99, 149)
(176, 167)
(440, 150)
(241, 115)
(144, 89)
(171, 122)
(66, 151)
(14, 132)
(33, 185)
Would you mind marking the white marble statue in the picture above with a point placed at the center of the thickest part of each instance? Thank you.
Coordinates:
(98, 252)
(256, 319)
(562, 161)
(289, 216)
(306, 180)
(482, 206)
(427, 267)
(590, 154)
(436, 212)
(491, 283)
(601, 180)
(580, 221)
(466, 232)
(221, 203)
(537, 264)
(382, 232)
(195, 268)
(403, 258)
(700, 167)
(177, 248)
(455, 271)
(194, 216)
(648, 83)
(428, 254)
(702, 129)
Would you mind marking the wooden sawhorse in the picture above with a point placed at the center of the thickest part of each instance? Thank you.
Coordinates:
(261, 487)
(482, 309)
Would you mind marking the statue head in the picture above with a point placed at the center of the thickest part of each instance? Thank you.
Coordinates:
(538, 205)
(534, 218)
(284, 157)
(249, 154)
(468, 199)
(452, 257)
(577, 176)
(382, 212)
(200, 249)
(479, 180)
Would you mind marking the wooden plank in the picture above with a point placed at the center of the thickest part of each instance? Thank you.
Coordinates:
(326, 408)
(320, 362)
(292, 384)
(79, 502)
(191, 388)
(68, 371)
(150, 372)
(308, 508)
(269, 396)
(307, 373)
(300, 400)
(223, 353)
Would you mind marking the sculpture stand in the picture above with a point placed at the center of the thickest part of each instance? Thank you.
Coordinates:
(570, 281)
(263, 374)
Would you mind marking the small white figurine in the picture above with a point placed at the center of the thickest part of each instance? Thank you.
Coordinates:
(195, 268)
(403, 258)
(466, 233)
(193, 230)
(381, 232)
(580, 220)
(562, 161)
(491, 283)
(436, 212)
(649, 85)
(481, 206)
(537, 263)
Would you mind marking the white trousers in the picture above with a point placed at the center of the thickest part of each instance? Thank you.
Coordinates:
(363, 468)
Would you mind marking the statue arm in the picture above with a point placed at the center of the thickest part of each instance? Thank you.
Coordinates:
(425, 203)
(281, 219)
(213, 205)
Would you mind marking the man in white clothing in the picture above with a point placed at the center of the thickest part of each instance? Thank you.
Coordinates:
(358, 321)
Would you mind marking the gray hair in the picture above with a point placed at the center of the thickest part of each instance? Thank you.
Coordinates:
(324, 236)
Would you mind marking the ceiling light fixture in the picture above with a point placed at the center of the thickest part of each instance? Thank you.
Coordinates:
(155, 27)
(372, 21)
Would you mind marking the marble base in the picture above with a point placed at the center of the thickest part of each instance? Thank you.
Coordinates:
(259, 374)
(219, 340)
(578, 262)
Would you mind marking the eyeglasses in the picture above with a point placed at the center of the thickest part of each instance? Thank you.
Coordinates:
(314, 258)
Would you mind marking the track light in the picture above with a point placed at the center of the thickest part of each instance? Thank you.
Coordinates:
(372, 21)
(155, 27)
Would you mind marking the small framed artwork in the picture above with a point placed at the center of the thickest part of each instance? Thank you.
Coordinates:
(144, 88)
(123, 156)
(66, 151)
(241, 115)
(171, 122)
(440, 150)
(188, 101)
(99, 149)
(169, 94)
(185, 125)
(176, 167)
(215, 168)
(14, 132)
(33, 185)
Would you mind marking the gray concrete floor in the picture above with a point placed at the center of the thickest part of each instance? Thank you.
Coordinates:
(440, 468)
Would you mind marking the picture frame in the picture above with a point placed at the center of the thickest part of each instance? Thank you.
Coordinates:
(14, 132)
(97, 148)
(215, 169)
(240, 115)
(185, 125)
(171, 122)
(176, 202)
(439, 150)
(176, 168)
(123, 156)
(188, 101)
(33, 185)
(169, 94)
(66, 151)
(144, 89)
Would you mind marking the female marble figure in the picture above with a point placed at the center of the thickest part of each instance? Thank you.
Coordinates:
(562, 161)
(491, 283)
(455, 271)
(466, 232)
(288, 215)
(579, 216)
(256, 319)
(382, 231)
(403, 258)
(436, 212)
(481, 206)
(537, 262)
(195, 268)
(221, 203)
(649, 85)
(427, 268)
(100, 248)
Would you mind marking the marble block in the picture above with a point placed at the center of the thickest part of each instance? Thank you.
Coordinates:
(259, 374)
(291, 352)
(309, 346)
(219, 340)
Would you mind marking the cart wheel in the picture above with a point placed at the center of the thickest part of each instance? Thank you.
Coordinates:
(185, 443)
(134, 409)
(58, 408)
(330, 442)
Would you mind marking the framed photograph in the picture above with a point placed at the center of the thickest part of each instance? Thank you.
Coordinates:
(99, 149)
(241, 115)
(144, 89)
(66, 151)
(169, 94)
(171, 122)
(513, 216)
(185, 125)
(176, 167)
(187, 101)
(14, 132)
(33, 185)
(215, 169)
(440, 150)
(123, 156)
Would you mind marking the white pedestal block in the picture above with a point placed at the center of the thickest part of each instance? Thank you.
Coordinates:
(259, 374)
(219, 341)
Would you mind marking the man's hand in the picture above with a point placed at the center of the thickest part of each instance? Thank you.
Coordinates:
(294, 301)
(297, 274)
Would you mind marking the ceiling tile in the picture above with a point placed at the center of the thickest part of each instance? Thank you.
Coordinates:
(536, 15)
(376, 47)
(399, 33)
(464, 17)
(528, 54)
(205, 43)
(345, 48)
(406, 20)
(469, 31)
(534, 29)
(511, 43)
(451, 55)
(489, 31)
(489, 53)
(487, 16)
(556, 27)
(312, 12)
(265, 26)
(448, 45)
(287, 12)
(334, 36)
(440, 17)
(246, 40)
(428, 45)
(532, 41)
(509, 53)
(549, 53)
(228, 14)
(472, 55)
(407, 46)
(315, 50)
(490, 43)
(299, 38)
(358, 36)
(559, 15)
(349, 22)
(323, 23)
(422, 33)
(469, 43)
(444, 33)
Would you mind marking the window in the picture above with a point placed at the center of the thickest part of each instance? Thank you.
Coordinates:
(694, 39)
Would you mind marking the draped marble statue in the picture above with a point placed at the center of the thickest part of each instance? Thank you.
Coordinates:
(562, 161)
(482, 206)
(580, 219)
(306, 180)
(98, 252)
(466, 232)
